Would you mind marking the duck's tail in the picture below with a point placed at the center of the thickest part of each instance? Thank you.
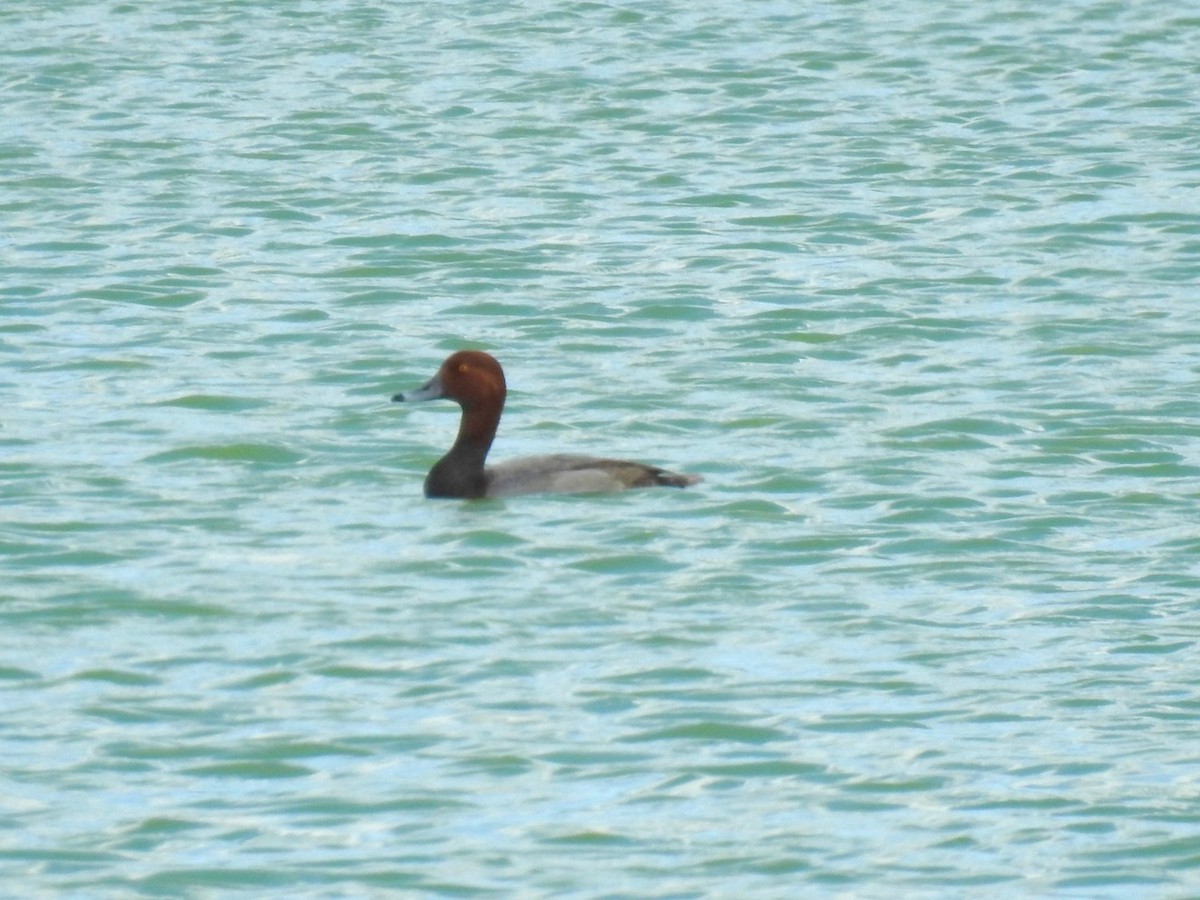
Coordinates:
(675, 479)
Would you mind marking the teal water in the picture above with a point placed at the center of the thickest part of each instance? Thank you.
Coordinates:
(913, 286)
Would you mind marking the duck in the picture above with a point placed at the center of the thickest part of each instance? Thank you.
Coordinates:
(475, 381)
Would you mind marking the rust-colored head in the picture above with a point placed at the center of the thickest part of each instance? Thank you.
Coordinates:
(471, 378)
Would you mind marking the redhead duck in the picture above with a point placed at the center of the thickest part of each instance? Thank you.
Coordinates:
(475, 381)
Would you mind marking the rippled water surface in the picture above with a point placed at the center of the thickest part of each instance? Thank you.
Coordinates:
(913, 287)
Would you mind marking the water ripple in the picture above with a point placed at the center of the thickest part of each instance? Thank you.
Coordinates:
(913, 292)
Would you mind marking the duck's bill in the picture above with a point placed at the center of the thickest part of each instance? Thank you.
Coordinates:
(431, 390)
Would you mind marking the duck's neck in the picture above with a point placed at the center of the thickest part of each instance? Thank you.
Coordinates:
(460, 472)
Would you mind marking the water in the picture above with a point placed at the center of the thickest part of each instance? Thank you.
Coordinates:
(913, 287)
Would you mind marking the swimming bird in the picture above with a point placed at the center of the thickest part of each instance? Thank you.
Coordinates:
(475, 381)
